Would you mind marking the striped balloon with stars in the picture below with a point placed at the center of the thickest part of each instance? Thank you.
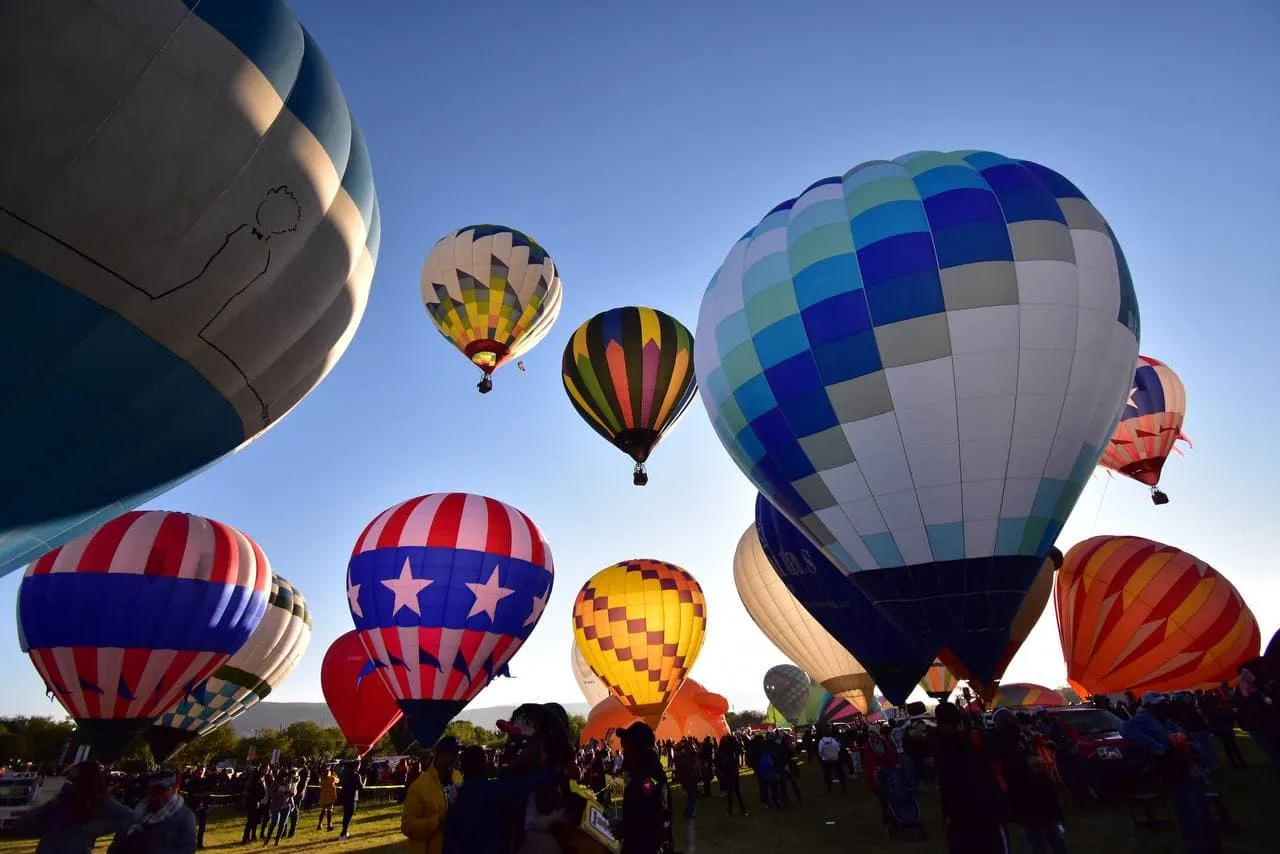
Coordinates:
(124, 621)
(444, 589)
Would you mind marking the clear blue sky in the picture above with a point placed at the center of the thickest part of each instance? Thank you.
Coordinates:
(637, 142)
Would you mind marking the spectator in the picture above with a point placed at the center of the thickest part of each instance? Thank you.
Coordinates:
(427, 800)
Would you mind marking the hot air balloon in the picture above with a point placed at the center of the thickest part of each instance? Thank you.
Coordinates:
(1137, 615)
(919, 363)
(124, 621)
(787, 688)
(1149, 427)
(692, 713)
(895, 660)
(360, 701)
(444, 589)
(266, 660)
(791, 628)
(1019, 694)
(190, 233)
(939, 682)
(837, 710)
(1029, 612)
(593, 690)
(640, 625)
(493, 293)
(629, 373)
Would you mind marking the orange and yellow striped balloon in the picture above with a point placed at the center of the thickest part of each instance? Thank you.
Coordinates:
(1137, 615)
(640, 625)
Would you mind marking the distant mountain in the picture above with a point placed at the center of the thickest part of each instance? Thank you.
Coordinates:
(270, 715)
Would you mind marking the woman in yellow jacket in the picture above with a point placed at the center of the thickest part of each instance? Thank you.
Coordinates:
(328, 797)
(426, 802)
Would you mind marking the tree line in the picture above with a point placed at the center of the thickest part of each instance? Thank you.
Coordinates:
(42, 742)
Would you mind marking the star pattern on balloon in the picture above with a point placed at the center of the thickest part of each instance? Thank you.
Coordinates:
(488, 595)
(1130, 402)
(539, 605)
(353, 598)
(406, 589)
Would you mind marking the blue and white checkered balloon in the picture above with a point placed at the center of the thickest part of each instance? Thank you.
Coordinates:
(919, 363)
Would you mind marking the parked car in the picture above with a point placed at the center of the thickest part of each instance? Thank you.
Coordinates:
(1116, 764)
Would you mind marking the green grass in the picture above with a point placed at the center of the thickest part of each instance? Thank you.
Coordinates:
(826, 823)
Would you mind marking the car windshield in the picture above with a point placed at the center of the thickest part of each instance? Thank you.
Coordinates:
(1090, 721)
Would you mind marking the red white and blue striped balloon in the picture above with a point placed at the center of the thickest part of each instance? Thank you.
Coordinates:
(444, 589)
(123, 621)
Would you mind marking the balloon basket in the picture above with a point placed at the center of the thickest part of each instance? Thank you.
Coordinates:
(485, 385)
(1158, 498)
(639, 476)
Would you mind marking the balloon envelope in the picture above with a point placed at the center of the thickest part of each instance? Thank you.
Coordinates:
(629, 374)
(492, 292)
(359, 699)
(939, 682)
(190, 233)
(257, 668)
(919, 363)
(444, 589)
(124, 621)
(787, 688)
(1138, 615)
(691, 714)
(593, 689)
(1017, 694)
(640, 626)
(1150, 425)
(1029, 613)
(790, 626)
(895, 660)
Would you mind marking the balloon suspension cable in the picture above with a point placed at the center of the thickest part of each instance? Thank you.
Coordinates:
(639, 476)
(1158, 497)
(485, 385)
(1103, 500)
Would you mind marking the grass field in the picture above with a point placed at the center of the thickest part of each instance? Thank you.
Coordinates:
(825, 824)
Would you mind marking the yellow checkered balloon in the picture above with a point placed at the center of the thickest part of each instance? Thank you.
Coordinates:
(640, 626)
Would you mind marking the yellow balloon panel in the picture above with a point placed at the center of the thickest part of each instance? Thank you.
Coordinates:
(640, 626)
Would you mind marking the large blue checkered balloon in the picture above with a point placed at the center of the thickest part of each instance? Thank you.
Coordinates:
(919, 363)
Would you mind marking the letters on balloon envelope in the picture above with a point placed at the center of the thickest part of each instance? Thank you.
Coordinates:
(919, 363)
(190, 230)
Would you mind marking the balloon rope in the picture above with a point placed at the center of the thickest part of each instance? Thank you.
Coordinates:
(1101, 501)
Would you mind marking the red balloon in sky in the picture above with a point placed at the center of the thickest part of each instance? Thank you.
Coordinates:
(358, 698)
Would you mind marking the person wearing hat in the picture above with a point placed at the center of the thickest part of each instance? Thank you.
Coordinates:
(1172, 760)
(427, 800)
(165, 824)
(645, 827)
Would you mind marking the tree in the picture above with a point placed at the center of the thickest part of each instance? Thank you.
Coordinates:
(309, 740)
(402, 738)
(264, 741)
(468, 733)
(577, 723)
(221, 743)
(37, 740)
(1068, 693)
(137, 758)
(738, 720)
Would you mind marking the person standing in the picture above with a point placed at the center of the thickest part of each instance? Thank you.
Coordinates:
(727, 768)
(301, 780)
(973, 803)
(350, 787)
(255, 801)
(328, 797)
(427, 800)
(1173, 761)
(645, 827)
(829, 756)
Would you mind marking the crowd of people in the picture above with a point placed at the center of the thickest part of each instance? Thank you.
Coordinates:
(993, 770)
